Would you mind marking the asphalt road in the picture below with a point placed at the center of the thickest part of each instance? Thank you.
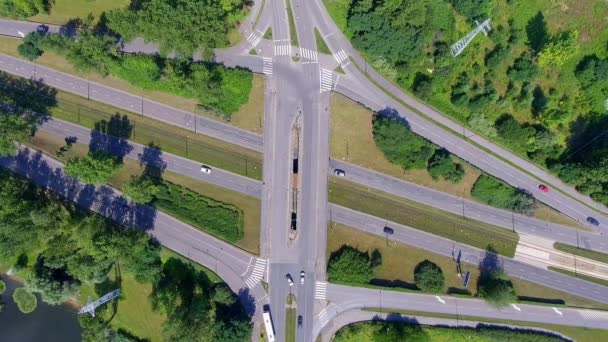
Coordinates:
(229, 262)
(167, 161)
(470, 209)
(132, 103)
(471, 255)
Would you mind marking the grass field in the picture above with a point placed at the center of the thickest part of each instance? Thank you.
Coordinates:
(399, 262)
(290, 325)
(585, 253)
(599, 281)
(352, 140)
(418, 216)
(247, 117)
(576, 333)
(321, 45)
(250, 206)
(63, 10)
(293, 33)
(171, 139)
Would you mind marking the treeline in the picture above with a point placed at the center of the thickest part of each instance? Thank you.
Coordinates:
(21, 9)
(531, 89)
(93, 47)
(73, 247)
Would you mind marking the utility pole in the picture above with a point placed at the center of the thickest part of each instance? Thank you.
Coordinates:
(513, 221)
(464, 42)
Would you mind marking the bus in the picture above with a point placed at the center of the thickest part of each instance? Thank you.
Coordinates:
(268, 324)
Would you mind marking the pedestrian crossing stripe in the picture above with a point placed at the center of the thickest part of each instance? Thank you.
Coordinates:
(340, 56)
(309, 54)
(282, 50)
(253, 39)
(267, 65)
(326, 80)
(257, 274)
(321, 290)
(323, 317)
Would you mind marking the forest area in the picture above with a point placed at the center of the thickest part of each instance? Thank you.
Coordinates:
(535, 84)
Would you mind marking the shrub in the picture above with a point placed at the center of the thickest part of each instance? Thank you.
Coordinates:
(26, 301)
(497, 289)
(350, 265)
(21, 9)
(30, 46)
(95, 168)
(523, 68)
(141, 189)
(479, 122)
(441, 165)
(2, 286)
(54, 286)
(561, 47)
(496, 193)
(428, 277)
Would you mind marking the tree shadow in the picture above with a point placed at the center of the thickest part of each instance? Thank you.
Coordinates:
(71, 27)
(489, 326)
(490, 262)
(392, 114)
(398, 327)
(536, 29)
(152, 160)
(588, 141)
(247, 301)
(107, 286)
(458, 291)
(111, 136)
(29, 94)
(396, 283)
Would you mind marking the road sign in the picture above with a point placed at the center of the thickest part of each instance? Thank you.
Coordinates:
(467, 276)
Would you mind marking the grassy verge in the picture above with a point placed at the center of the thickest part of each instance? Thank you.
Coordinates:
(64, 10)
(338, 10)
(399, 262)
(352, 140)
(582, 252)
(293, 33)
(249, 207)
(576, 333)
(418, 216)
(321, 45)
(268, 33)
(290, 327)
(171, 139)
(246, 116)
(599, 281)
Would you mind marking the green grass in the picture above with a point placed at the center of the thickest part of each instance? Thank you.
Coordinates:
(292, 25)
(253, 52)
(290, 327)
(582, 252)
(321, 45)
(339, 70)
(418, 216)
(63, 10)
(599, 281)
(171, 139)
(268, 33)
(400, 260)
(338, 10)
(576, 333)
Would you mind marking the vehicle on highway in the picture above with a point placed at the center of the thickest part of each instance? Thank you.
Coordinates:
(593, 221)
(339, 173)
(389, 230)
(289, 279)
(205, 169)
(42, 29)
(300, 321)
(543, 188)
(302, 275)
(268, 324)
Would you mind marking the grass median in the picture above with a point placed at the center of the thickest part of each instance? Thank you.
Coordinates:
(582, 252)
(418, 216)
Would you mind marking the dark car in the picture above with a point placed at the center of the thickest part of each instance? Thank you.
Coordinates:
(42, 29)
(389, 230)
(299, 321)
(593, 221)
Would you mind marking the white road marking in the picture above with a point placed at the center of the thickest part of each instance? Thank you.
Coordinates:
(21, 34)
(558, 312)
(516, 307)
(321, 290)
(323, 317)
(440, 300)
(282, 50)
(254, 39)
(309, 55)
(257, 274)
(326, 80)
(267, 65)
(340, 56)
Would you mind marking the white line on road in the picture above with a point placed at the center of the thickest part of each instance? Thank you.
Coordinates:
(267, 65)
(323, 317)
(253, 39)
(326, 80)
(516, 307)
(440, 300)
(257, 274)
(558, 312)
(321, 290)
(340, 56)
(21, 34)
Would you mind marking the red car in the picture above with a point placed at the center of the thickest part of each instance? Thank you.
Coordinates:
(543, 188)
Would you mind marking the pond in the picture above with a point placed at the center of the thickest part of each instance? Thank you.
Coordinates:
(46, 323)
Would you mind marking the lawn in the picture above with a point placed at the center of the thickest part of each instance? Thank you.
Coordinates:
(582, 252)
(576, 333)
(399, 262)
(421, 217)
(290, 325)
(321, 45)
(63, 10)
(352, 140)
(248, 206)
(293, 33)
(248, 117)
(171, 139)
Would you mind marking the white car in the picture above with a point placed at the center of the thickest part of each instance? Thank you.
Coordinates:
(205, 169)
(339, 173)
(289, 280)
(302, 275)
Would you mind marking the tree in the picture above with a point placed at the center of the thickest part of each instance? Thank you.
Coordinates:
(222, 294)
(376, 258)
(55, 286)
(21, 9)
(479, 122)
(350, 265)
(428, 277)
(473, 9)
(2, 286)
(95, 168)
(559, 49)
(496, 193)
(523, 68)
(441, 165)
(497, 289)
(30, 46)
(422, 86)
(26, 301)
(92, 52)
(142, 189)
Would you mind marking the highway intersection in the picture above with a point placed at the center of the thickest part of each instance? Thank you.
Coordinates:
(298, 94)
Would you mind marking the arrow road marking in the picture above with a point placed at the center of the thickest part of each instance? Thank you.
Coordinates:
(558, 312)
(21, 34)
(516, 307)
(440, 300)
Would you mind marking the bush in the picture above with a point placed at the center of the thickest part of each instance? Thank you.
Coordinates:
(497, 289)
(479, 122)
(26, 301)
(561, 47)
(142, 189)
(350, 265)
(523, 68)
(220, 219)
(473, 9)
(95, 168)
(2, 286)
(30, 47)
(21, 9)
(55, 286)
(441, 165)
(496, 193)
(428, 277)
(400, 145)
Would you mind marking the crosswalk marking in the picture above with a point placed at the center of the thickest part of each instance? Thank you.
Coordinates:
(282, 50)
(309, 55)
(340, 56)
(321, 290)
(326, 80)
(254, 39)
(258, 272)
(323, 317)
(267, 65)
